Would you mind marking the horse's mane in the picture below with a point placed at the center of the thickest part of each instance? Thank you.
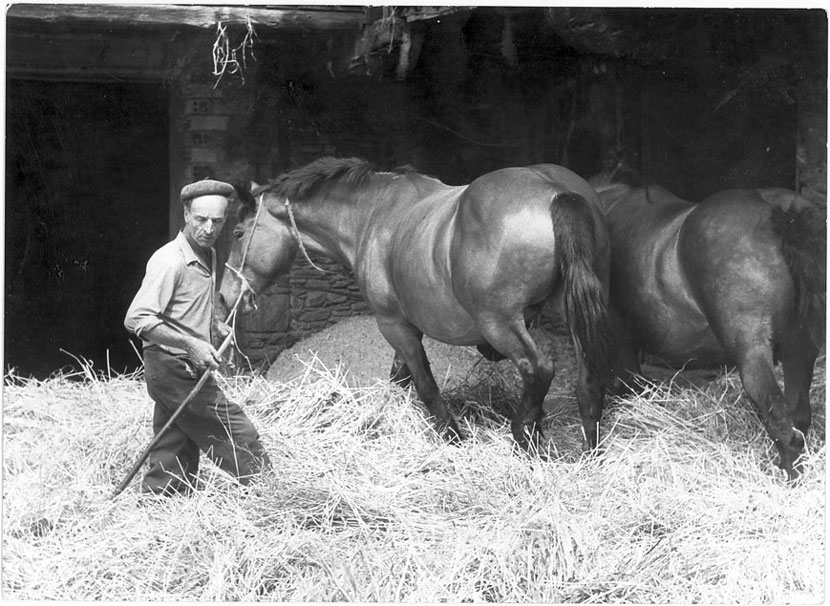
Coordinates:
(299, 183)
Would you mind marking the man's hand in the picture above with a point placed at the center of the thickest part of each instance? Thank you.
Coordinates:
(221, 330)
(203, 355)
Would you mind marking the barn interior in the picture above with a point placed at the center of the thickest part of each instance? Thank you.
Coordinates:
(111, 109)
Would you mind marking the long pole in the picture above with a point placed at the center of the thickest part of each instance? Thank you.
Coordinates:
(199, 384)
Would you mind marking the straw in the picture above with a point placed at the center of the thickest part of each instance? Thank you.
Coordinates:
(366, 503)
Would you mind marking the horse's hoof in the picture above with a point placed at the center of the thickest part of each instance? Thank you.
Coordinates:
(450, 432)
(590, 438)
(790, 451)
(797, 441)
(528, 438)
(792, 466)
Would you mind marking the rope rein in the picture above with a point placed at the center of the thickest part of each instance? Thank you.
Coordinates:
(296, 233)
(251, 237)
(246, 286)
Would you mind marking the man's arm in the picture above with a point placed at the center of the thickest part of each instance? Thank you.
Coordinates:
(145, 317)
(201, 353)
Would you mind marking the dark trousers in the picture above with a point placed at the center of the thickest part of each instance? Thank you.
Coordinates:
(210, 422)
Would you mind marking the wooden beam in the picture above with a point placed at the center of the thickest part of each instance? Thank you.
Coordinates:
(426, 13)
(310, 17)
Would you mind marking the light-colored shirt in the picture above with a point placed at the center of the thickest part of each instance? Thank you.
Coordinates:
(178, 290)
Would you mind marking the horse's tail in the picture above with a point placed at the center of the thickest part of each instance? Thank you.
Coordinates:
(803, 236)
(586, 308)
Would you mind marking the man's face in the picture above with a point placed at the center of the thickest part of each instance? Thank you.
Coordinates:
(204, 220)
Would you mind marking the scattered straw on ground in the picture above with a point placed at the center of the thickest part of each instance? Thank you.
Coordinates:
(366, 503)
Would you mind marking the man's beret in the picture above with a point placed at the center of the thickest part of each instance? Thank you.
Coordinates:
(206, 187)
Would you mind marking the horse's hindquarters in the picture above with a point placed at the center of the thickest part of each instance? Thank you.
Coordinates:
(735, 268)
(503, 256)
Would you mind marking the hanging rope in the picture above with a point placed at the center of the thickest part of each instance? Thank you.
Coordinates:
(232, 60)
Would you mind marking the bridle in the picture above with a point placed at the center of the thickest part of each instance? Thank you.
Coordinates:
(246, 285)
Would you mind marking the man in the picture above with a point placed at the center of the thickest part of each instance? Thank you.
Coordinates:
(173, 314)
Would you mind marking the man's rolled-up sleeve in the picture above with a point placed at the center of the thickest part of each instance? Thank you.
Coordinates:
(150, 302)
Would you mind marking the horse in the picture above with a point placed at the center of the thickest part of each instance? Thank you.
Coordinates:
(465, 265)
(736, 279)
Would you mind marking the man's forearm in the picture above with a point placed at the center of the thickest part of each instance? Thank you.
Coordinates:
(161, 334)
(201, 353)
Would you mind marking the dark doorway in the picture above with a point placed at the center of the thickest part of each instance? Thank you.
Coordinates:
(87, 177)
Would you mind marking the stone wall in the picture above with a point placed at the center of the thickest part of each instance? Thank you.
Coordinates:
(321, 299)
(303, 303)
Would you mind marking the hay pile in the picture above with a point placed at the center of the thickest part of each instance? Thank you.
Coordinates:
(365, 503)
(355, 348)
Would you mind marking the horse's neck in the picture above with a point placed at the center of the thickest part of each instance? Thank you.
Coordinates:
(327, 232)
(334, 226)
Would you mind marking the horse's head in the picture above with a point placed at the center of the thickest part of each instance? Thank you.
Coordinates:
(263, 248)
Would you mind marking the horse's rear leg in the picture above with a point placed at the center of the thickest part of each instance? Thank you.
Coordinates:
(755, 366)
(513, 340)
(411, 365)
(400, 372)
(798, 354)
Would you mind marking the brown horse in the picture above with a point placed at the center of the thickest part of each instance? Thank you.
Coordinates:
(465, 265)
(738, 278)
